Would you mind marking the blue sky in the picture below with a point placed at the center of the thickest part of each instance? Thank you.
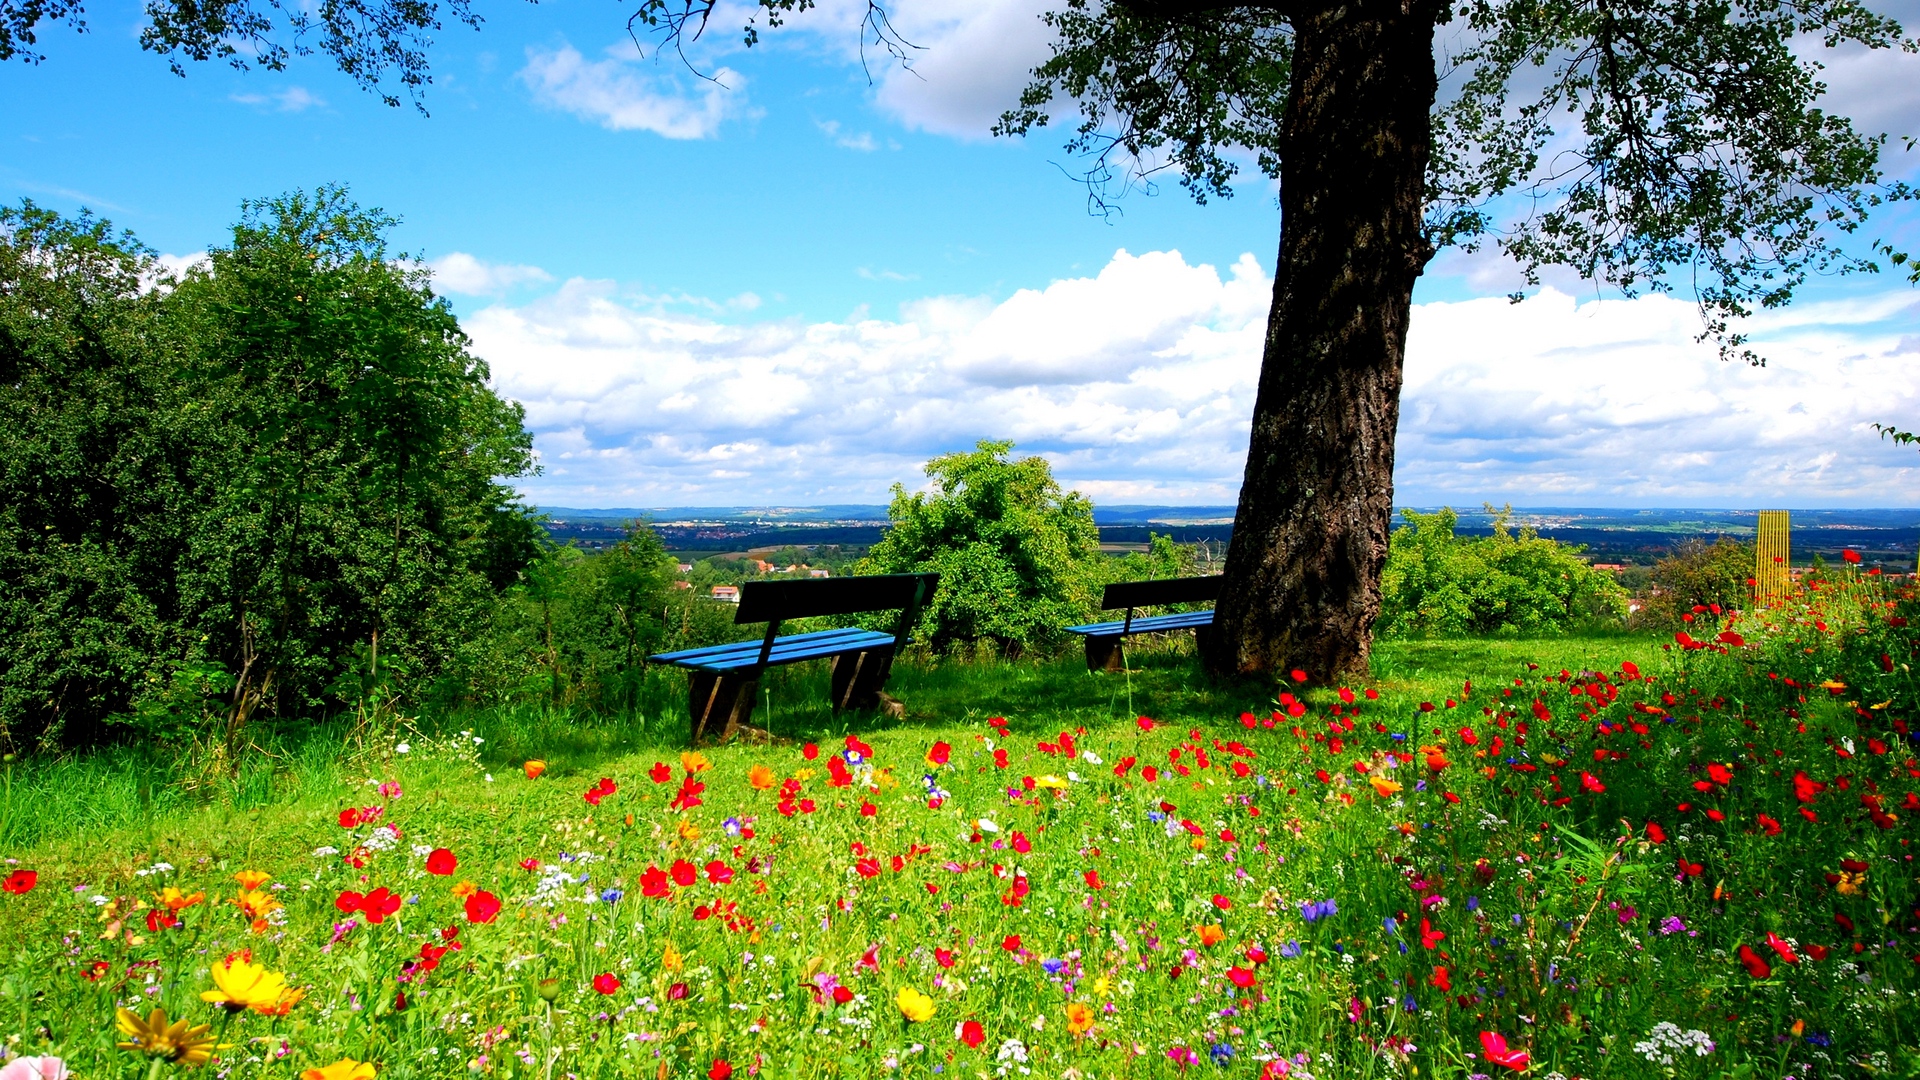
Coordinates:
(798, 287)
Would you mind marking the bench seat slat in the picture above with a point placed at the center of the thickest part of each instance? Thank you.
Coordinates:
(1146, 624)
(787, 649)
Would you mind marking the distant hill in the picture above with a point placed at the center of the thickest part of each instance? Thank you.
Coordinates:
(1888, 537)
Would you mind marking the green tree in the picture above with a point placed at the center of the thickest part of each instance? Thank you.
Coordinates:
(283, 466)
(1507, 583)
(1018, 558)
(1699, 574)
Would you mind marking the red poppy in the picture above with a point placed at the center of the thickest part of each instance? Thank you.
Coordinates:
(1769, 825)
(684, 873)
(21, 882)
(1222, 902)
(653, 883)
(810, 751)
(349, 817)
(1093, 880)
(1592, 783)
(720, 1070)
(1011, 943)
(719, 873)
(1691, 869)
(943, 957)
(606, 983)
(1494, 1046)
(1430, 937)
(1719, 773)
(939, 754)
(1850, 555)
(482, 907)
(1779, 945)
(972, 1034)
(1241, 977)
(867, 867)
(1441, 979)
(660, 773)
(441, 862)
(1756, 967)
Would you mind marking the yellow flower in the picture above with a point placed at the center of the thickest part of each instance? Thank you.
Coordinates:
(914, 1005)
(1049, 781)
(344, 1069)
(1103, 987)
(176, 901)
(694, 761)
(252, 879)
(670, 958)
(1851, 884)
(244, 985)
(761, 777)
(465, 888)
(688, 830)
(1382, 786)
(174, 1042)
(1079, 1018)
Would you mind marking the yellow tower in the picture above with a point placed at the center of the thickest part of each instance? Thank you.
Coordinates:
(1771, 556)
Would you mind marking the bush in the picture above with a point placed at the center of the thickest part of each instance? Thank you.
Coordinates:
(1697, 575)
(1018, 558)
(1436, 583)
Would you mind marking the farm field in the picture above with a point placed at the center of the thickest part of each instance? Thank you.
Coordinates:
(1582, 857)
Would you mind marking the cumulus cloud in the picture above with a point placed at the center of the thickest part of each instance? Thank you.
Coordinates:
(459, 272)
(975, 59)
(614, 94)
(1138, 384)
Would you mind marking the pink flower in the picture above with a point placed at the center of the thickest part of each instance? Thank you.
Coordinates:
(34, 1068)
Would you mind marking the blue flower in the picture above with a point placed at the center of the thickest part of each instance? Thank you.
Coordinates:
(1054, 967)
(1221, 1053)
(1473, 903)
(612, 896)
(1391, 926)
(1290, 950)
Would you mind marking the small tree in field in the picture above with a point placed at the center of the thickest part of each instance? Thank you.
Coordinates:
(1017, 557)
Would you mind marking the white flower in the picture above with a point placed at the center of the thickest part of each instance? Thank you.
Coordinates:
(1091, 758)
(325, 851)
(402, 748)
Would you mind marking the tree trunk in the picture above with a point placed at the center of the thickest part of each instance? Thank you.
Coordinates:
(1302, 585)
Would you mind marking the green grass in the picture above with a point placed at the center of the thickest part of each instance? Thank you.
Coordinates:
(1551, 895)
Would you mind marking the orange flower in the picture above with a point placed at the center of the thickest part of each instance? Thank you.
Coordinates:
(1211, 935)
(465, 889)
(251, 880)
(761, 777)
(1383, 787)
(1079, 1018)
(534, 768)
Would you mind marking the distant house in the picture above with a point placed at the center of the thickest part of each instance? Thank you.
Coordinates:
(727, 593)
(1614, 567)
(819, 573)
(763, 566)
(686, 568)
(683, 584)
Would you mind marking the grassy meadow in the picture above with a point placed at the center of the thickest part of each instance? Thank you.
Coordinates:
(1579, 857)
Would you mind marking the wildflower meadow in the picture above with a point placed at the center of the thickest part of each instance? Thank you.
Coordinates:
(1692, 864)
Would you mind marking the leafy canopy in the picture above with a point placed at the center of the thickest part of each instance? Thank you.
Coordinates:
(1507, 583)
(1647, 145)
(1017, 557)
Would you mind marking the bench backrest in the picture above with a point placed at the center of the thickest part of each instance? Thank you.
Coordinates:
(772, 602)
(1133, 594)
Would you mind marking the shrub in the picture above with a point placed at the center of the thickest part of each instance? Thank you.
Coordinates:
(1018, 558)
(1699, 574)
(1507, 583)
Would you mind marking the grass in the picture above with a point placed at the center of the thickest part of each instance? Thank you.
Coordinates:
(1396, 885)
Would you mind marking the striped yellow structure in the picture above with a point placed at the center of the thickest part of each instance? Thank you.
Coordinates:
(1772, 555)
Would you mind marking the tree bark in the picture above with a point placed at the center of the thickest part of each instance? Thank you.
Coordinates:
(1302, 585)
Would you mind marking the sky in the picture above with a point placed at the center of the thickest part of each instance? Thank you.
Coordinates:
(795, 279)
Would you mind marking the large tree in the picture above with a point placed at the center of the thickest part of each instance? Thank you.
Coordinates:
(1646, 144)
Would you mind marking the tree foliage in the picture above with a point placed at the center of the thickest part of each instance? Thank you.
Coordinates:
(1670, 144)
(1437, 583)
(1699, 574)
(285, 456)
(1018, 558)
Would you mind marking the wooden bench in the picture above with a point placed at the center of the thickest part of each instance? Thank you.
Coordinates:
(1104, 638)
(724, 678)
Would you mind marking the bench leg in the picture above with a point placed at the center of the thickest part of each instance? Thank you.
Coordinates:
(859, 677)
(1105, 653)
(721, 703)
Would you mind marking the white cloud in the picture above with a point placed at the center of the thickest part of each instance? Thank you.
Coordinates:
(863, 142)
(1138, 384)
(459, 272)
(975, 59)
(612, 93)
(292, 99)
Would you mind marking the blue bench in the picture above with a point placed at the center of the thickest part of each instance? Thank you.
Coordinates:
(723, 679)
(1103, 639)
